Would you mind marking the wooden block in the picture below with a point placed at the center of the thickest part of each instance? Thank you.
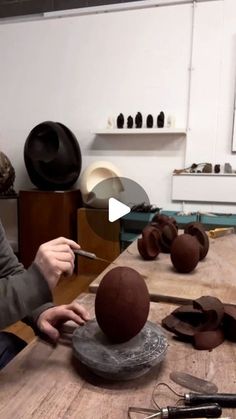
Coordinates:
(89, 240)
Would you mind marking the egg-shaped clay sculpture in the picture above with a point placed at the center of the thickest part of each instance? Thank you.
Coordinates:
(185, 253)
(122, 304)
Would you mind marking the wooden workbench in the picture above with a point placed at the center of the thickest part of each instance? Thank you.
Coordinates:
(45, 382)
(215, 275)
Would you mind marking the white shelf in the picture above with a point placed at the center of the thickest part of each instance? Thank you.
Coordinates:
(131, 131)
(205, 174)
(204, 187)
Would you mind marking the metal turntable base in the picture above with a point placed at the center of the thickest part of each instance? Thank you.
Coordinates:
(123, 361)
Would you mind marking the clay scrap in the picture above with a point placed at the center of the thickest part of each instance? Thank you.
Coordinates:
(205, 323)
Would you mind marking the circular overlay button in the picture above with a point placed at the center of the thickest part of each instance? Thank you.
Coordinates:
(115, 205)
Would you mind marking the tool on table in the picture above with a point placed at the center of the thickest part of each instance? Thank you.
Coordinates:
(193, 383)
(173, 412)
(194, 399)
(172, 299)
(90, 255)
(220, 232)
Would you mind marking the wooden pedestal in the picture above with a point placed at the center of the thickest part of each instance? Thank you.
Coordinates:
(90, 241)
(43, 216)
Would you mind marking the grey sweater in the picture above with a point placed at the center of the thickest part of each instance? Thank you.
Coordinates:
(24, 294)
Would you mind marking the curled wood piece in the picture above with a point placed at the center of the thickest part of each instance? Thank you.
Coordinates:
(209, 339)
(213, 309)
(197, 230)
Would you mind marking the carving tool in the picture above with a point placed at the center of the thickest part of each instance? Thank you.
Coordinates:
(90, 255)
(196, 399)
(193, 383)
(93, 256)
(169, 412)
(223, 399)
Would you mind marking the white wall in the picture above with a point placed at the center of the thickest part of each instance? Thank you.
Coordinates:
(80, 70)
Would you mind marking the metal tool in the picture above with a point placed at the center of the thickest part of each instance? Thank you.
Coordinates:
(90, 255)
(195, 399)
(93, 256)
(171, 299)
(193, 383)
(173, 412)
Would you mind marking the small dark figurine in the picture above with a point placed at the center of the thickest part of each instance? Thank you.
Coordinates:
(217, 168)
(120, 121)
(149, 121)
(160, 120)
(130, 122)
(138, 120)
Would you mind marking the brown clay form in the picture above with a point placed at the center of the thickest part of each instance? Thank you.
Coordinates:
(182, 329)
(189, 314)
(148, 245)
(168, 233)
(197, 230)
(208, 340)
(213, 309)
(201, 322)
(162, 219)
(122, 304)
(184, 253)
(229, 322)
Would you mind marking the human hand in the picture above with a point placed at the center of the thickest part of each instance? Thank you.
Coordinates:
(50, 320)
(54, 258)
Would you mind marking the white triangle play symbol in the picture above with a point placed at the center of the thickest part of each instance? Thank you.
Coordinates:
(116, 209)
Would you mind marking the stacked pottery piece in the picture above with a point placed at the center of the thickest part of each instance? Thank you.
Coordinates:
(157, 237)
(185, 250)
(206, 323)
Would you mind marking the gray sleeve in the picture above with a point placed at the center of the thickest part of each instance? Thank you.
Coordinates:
(21, 291)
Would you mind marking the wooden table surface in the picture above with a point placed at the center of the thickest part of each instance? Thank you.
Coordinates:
(45, 382)
(215, 275)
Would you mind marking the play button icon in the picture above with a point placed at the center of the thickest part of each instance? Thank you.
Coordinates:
(109, 209)
(116, 209)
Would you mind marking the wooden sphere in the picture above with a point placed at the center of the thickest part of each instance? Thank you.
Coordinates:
(122, 304)
(185, 253)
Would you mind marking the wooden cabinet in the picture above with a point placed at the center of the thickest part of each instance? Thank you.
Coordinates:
(92, 242)
(43, 216)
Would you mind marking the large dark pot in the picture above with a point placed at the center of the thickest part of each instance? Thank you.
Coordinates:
(52, 156)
